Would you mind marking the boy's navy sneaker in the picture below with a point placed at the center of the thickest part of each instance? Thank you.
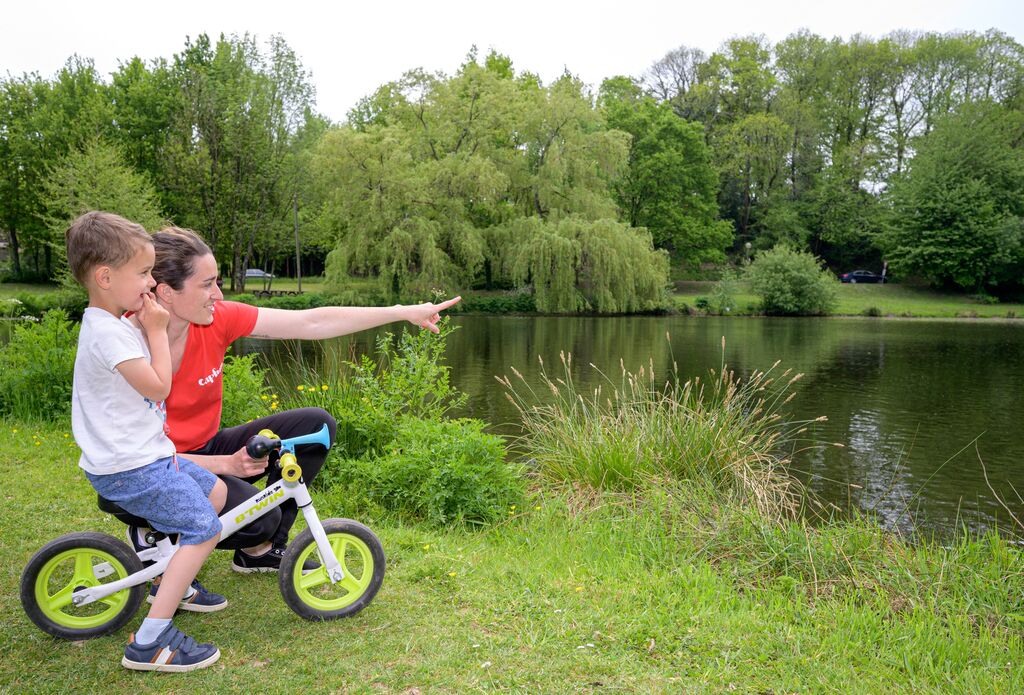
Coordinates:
(172, 651)
(201, 600)
(269, 561)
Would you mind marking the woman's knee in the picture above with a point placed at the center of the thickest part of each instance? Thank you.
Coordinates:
(219, 495)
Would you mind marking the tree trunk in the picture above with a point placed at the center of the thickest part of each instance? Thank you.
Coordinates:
(298, 258)
(15, 253)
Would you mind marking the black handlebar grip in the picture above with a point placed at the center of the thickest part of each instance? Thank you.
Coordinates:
(259, 446)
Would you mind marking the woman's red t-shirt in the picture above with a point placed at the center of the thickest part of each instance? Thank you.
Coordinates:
(197, 389)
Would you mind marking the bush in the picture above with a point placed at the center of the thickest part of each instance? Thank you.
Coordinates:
(442, 472)
(37, 368)
(307, 300)
(406, 376)
(511, 303)
(723, 294)
(70, 300)
(792, 283)
(246, 396)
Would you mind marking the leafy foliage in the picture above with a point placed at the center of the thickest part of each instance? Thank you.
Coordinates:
(246, 395)
(97, 178)
(792, 283)
(957, 213)
(670, 185)
(406, 376)
(37, 368)
(443, 472)
(483, 178)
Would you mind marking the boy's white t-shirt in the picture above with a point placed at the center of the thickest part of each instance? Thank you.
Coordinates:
(117, 428)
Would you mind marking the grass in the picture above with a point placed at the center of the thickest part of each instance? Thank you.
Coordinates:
(662, 590)
(9, 290)
(889, 299)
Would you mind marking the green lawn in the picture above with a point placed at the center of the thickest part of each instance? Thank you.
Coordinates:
(854, 300)
(565, 596)
(13, 289)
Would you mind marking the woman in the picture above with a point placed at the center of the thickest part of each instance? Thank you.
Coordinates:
(202, 325)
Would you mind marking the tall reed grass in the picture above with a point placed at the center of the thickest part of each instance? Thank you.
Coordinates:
(723, 432)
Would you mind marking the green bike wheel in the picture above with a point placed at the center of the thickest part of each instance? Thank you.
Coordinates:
(312, 595)
(72, 562)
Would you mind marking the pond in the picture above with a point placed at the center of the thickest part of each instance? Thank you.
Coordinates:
(923, 408)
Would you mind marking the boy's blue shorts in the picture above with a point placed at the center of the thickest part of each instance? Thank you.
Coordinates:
(173, 497)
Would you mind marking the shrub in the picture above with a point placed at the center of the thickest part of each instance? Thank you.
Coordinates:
(510, 303)
(70, 300)
(406, 376)
(246, 395)
(37, 368)
(984, 298)
(723, 294)
(306, 300)
(792, 283)
(442, 472)
(872, 311)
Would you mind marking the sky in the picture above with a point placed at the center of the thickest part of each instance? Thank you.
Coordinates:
(350, 49)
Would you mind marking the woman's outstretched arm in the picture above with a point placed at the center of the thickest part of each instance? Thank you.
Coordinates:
(333, 321)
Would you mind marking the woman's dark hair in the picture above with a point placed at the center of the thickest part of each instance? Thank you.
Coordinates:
(176, 252)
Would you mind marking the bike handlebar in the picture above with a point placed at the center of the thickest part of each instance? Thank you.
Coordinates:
(260, 445)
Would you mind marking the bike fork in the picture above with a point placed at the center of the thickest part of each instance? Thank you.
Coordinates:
(334, 571)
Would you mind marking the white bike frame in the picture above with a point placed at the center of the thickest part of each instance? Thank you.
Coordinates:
(232, 520)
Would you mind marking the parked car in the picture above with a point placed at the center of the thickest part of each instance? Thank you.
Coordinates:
(257, 273)
(856, 276)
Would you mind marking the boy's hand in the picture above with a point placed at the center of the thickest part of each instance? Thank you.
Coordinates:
(152, 316)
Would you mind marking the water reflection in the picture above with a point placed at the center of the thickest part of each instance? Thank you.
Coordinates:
(914, 403)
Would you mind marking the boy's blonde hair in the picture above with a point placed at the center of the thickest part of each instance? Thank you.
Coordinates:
(102, 238)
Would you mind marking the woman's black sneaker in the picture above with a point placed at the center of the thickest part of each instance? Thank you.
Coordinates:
(269, 561)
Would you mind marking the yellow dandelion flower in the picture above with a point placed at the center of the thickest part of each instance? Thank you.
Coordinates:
(265, 397)
(300, 387)
(273, 406)
(427, 546)
(323, 387)
(451, 574)
(537, 508)
(579, 588)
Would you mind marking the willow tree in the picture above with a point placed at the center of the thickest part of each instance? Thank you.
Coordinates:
(575, 264)
(423, 184)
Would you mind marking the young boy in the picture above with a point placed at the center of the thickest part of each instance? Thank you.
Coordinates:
(117, 417)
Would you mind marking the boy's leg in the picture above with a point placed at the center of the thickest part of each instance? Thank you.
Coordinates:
(195, 597)
(174, 501)
(178, 576)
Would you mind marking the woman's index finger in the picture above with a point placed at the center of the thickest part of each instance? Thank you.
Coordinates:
(447, 303)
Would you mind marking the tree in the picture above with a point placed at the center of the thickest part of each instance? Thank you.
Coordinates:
(242, 109)
(670, 184)
(957, 216)
(40, 122)
(97, 178)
